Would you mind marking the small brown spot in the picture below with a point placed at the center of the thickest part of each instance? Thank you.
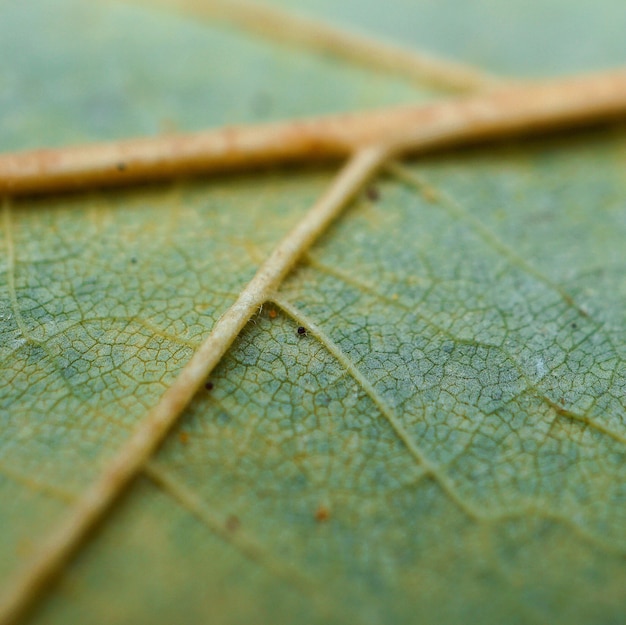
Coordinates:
(302, 331)
(121, 167)
(233, 523)
(322, 514)
(209, 386)
(373, 194)
(272, 313)
(183, 437)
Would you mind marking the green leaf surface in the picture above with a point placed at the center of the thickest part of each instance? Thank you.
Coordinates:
(445, 444)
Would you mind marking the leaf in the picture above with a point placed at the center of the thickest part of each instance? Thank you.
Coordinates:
(446, 441)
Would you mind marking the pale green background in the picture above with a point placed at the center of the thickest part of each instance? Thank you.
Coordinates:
(489, 317)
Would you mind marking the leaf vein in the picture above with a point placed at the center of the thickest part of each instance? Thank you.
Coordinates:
(430, 468)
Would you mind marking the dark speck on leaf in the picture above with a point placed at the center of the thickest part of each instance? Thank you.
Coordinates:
(232, 523)
(574, 325)
(322, 400)
(322, 514)
(302, 331)
(209, 386)
(373, 194)
(133, 260)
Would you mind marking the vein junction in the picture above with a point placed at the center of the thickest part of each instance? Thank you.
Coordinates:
(131, 458)
(511, 110)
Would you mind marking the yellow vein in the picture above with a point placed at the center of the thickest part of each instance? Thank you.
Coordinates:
(40, 344)
(129, 322)
(487, 518)
(279, 25)
(396, 302)
(8, 230)
(569, 415)
(561, 518)
(26, 333)
(405, 175)
(335, 272)
(252, 549)
(387, 412)
(128, 461)
(499, 113)
(144, 323)
(49, 490)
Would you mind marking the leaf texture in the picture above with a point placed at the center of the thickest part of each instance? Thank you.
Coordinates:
(444, 443)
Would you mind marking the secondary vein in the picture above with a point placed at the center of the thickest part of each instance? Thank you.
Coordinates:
(312, 34)
(142, 443)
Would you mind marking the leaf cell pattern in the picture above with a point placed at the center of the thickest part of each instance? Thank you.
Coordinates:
(445, 443)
